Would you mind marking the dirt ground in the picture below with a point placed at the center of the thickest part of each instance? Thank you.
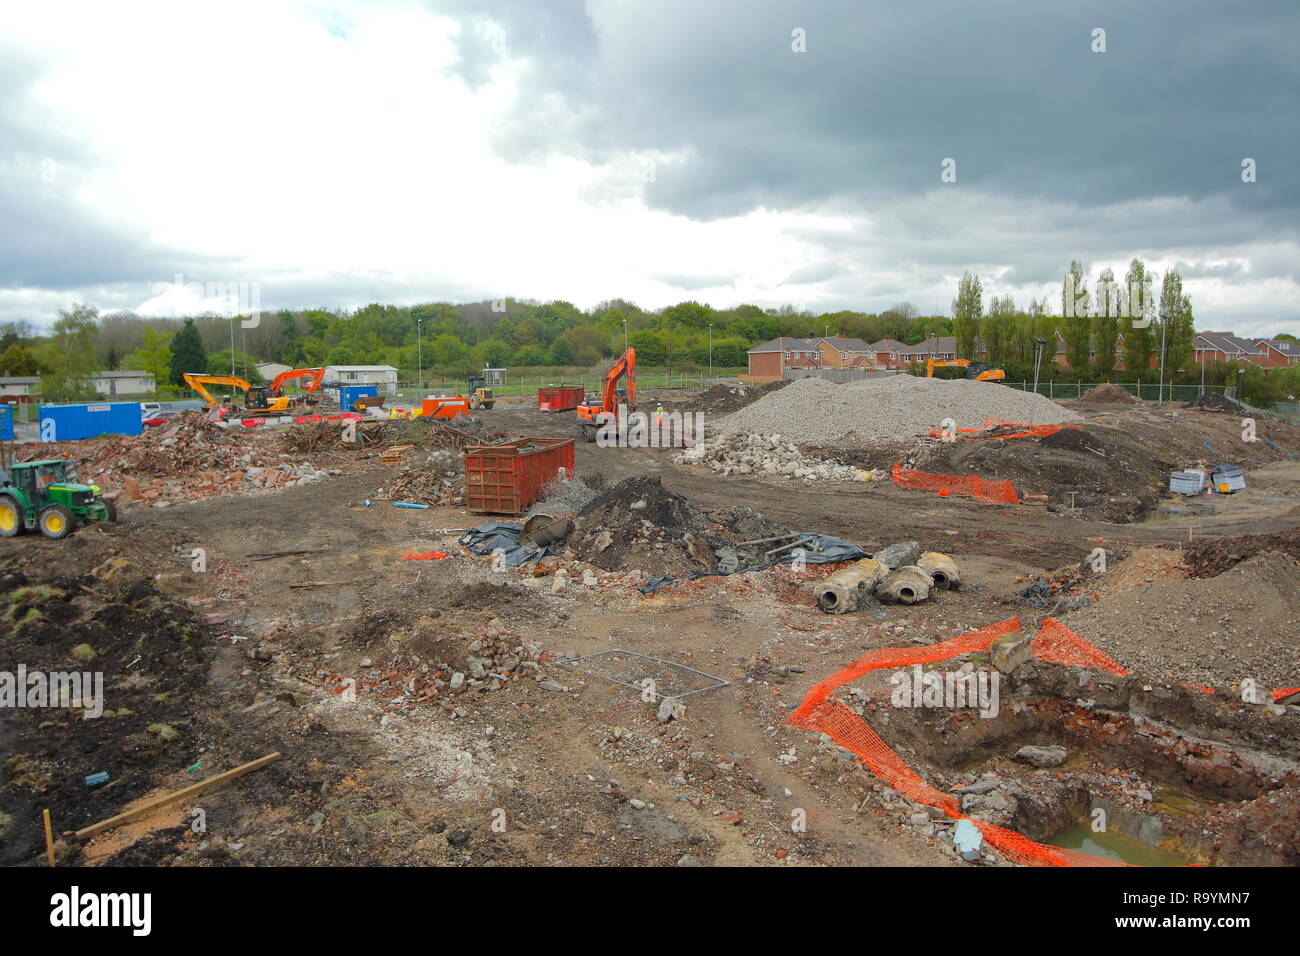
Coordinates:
(337, 653)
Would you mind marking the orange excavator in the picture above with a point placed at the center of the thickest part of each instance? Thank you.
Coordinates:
(590, 414)
(314, 375)
(974, 370)
(256, 397)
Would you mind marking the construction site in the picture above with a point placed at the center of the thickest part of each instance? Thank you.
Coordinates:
(902, 621)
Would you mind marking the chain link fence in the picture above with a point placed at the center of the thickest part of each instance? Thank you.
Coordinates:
(1146, 392)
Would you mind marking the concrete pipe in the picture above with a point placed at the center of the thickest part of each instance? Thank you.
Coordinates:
(844, 590)
(550, 534)
(906, 585)
(942, 570)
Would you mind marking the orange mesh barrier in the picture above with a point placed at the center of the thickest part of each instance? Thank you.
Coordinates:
(1027, 430)
(990, 492)
(1054, 642)
(820, 713)
(1284, 692)
(1058, 644)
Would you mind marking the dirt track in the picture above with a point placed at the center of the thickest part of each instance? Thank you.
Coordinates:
(391, 783)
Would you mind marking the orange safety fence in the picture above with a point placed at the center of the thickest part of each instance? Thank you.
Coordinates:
(1027, 430)
(1054, 643)
(991, 492)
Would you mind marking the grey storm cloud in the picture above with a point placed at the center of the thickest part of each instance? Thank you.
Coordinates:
(48, 240)
(885, 92)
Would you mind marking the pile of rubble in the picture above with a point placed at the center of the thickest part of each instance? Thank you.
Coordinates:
(439, 481)
(640, 524)
(749, 453)
(896, 407)
(190, 458)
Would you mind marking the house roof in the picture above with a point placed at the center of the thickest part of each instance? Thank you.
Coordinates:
(887, 345)
(783, 342)
(19, 380)
(938, 345)
(1285, 346)
(122, 373)
(1227, 343)
(842, 344)
(363, 368)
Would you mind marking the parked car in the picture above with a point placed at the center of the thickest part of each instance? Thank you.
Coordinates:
(158, 418)
(149, 409)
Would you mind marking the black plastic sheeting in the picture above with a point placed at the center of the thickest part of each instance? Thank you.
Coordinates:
(493, 536)
(817, 549)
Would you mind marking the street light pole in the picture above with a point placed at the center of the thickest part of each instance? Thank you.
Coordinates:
(1160, 391)
(1039, 344)
(710, 351)
(232, 346)
(625, 335)
(419, 355)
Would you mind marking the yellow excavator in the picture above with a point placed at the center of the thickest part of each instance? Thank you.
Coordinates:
(257, 398)
(974, 370)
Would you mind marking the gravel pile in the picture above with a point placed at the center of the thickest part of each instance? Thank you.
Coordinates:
(745, 453)
(1211, 631)
(902, 406)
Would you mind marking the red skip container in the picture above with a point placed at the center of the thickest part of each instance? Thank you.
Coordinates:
(559, 398)
(507, 478)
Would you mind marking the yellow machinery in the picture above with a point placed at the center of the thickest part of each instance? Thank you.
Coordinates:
(256, 397)
(974, 370)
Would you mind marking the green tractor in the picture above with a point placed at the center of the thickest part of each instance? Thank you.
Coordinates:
(47, 495)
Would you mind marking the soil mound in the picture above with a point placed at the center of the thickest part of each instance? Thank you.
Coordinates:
(725, 399)
(1213, 632)
(1108, 394)
(1213, 556)
(1212, 402)
(638, 523)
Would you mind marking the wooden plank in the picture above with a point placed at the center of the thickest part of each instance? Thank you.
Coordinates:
(49, 838)
(181, 794)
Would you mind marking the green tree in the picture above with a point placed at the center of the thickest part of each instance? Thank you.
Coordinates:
(1076, 324)
(71, 355)
(1175, 322)
(154, 355)
(17, 360)
(999, 329)
(1138, 345)
(1106, 323)
(967, 312)
(188, 354)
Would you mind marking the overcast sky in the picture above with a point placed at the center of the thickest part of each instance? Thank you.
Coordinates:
(659, 150)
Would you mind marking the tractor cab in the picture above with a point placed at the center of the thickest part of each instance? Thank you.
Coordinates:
(48, 495)
(480, 396)
(257, 398)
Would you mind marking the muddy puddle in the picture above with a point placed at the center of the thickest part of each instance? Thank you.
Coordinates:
(1114, 846)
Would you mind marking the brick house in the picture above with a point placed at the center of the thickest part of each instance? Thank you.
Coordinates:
(885, 353)
(770, 360)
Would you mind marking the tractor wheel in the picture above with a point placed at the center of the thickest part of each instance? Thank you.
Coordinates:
(11, 517)
(474, 402)
(110, 508)
(57, 521)
(489, 404)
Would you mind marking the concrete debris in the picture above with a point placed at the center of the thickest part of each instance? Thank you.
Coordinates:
(1042, 757)
(942, 570)
(899, 554)
(901, 406)
(744, 453)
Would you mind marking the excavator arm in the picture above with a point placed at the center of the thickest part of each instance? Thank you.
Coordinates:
(626, 365)
(314, 375)
(197, 382)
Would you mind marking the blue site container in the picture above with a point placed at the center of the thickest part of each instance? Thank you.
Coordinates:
(350, 393)
(6, 423)
(72, 422)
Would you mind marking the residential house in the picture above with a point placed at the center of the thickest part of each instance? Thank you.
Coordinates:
(770, 360)
(885, 353)
(1278, 353)
(122, 382)
(1226, 347)
(17, 389)
(937, 347)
